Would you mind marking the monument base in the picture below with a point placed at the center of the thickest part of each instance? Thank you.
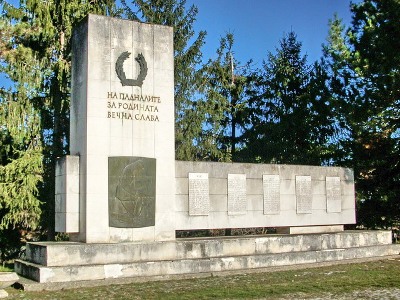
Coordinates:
(68, 262)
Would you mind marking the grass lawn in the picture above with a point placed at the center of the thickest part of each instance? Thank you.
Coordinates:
(5, 269)
(332, 281)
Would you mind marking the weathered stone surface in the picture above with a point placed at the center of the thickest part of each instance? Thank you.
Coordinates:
(310, 229)
(333, 195)
(94, 262)
(199, 194)
(237, 200)
(122, 106)
(304, 195)
(276, 209)
(69, 253)
(67, 194)
(6, 280)
(131, 191)
(272, 197)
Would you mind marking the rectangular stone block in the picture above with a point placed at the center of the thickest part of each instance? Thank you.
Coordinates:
(254, 186)
(287, 186)
(310, 229)
(67, 194)
(218, 203)
(333, 195)
(218, 186)
(315, 198)
(66, 261)
(255, 202)
(303, 194)
(122, 105)
(237, 201)
(199, 197)
(272, 199)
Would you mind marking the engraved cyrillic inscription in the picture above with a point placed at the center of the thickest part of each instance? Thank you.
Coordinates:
(333, 195)
(133, 107)
(303, 195)
(272, 199)
(199, 198)
(237, 202)
(131, 191)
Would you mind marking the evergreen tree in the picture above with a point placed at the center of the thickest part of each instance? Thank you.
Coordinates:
(225, 104)
(35, 50)
(187, 59)
(21, 171)
(365, 79)
(293, 123)
(375, 35)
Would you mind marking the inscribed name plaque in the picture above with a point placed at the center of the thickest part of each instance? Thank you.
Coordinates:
(303, 195)
(333, 195)
(199, 199)
(271, 188)
(237, 203)
(131, 191)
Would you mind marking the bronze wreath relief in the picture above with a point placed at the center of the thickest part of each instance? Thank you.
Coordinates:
(119, 69)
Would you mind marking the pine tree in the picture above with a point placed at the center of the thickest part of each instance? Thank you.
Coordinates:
(293, 124)
(225, 86)
(187, 59)
(375, 35)
(365, 79)
(21, 171)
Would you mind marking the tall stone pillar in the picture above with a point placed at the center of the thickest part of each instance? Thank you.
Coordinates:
(122, 129)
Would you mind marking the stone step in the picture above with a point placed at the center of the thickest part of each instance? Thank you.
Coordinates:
(46, 274)
(72, 254)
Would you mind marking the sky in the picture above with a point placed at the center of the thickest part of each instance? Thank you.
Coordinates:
(258, 25)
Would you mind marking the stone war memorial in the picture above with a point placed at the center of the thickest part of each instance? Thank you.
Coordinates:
(121, 196)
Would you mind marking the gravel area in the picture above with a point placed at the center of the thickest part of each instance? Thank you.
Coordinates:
(380, 294)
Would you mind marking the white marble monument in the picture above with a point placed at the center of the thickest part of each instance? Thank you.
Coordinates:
(121, 182)
(122, 121)
(121, 196)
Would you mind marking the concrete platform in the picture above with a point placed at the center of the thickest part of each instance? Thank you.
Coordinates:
(72, 262)
(30, 285)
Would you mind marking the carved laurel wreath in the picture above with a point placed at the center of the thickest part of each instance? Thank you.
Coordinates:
(119, 69)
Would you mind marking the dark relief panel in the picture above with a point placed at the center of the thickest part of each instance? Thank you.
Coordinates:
(131, 191)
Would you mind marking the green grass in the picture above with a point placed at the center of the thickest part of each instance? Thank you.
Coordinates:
(5, 269)
(334, 280)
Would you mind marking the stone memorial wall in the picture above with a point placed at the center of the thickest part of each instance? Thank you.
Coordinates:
(121, 195)
(121, 182)
(259, 195)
